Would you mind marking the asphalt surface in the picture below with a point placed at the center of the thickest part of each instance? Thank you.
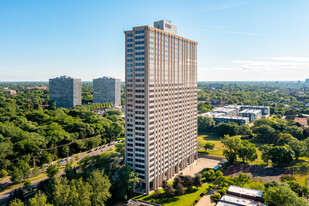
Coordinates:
(5, 195)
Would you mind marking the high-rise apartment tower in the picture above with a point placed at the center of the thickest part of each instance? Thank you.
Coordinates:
(107, 89)
(161, 103)
(65, 91)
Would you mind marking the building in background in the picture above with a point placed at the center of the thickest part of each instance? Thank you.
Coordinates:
(65, 91)
(107, 89)
(161, 103)
(307, 81)
(10, 92)
(251, 114)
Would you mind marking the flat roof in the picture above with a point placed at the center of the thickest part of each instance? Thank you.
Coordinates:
(255, 106)
(250, 111)
(160, 31)
(231, 117)
(240, 201)
(245, 191)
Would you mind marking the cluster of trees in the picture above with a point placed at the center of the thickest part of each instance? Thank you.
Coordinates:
(236, 147)
(31, 136)
(103, 178)
(287, 192)
(181, 185)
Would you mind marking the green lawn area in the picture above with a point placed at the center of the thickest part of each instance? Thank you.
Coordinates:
(184, 200)
(219, 147)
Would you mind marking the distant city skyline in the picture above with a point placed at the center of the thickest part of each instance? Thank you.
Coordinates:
(239, 40)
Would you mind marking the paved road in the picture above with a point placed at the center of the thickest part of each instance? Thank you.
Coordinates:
(6, 194)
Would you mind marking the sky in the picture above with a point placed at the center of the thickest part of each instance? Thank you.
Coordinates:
(238, 40)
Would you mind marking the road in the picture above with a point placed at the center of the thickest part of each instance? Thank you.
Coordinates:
(4, 195)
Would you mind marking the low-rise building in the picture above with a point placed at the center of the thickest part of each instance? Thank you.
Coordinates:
(226, 111)
(264, 109)
(230, 200)
(225, 119)
(252, 114)
(10, 91)
(250, 194)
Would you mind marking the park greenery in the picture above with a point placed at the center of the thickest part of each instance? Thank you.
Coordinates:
(97, 180)
(33, 134)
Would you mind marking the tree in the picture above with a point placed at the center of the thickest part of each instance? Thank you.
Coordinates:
(164, 184)
(17, 176)
(205, 123)
(247, 151)
(27, 185)
(233, 144)
(215, 197)
(179, 190)
(16, 202)
(297, 147)
(209, 145)
(265, 133)
(279, 155)
(35, 172)
(177, 180)
(52, 170)
(188, 182)
(244, 130)
(209, 175)
(100, 184)
(283, 196)
(197, 180)
(230, 128)
(169, 190)
(157, 194)
(242, 179)
(120, 147)
(295, 131)
(3, 173)
(39, 199)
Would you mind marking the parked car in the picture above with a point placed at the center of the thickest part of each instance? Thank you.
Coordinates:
(62, 160)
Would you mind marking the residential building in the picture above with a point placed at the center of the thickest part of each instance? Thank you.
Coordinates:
(264, 109)
(226, 119)
(107, 89)
(10, 92)
(161, 103)
(226, 111)
(252, 114)
(65, 91)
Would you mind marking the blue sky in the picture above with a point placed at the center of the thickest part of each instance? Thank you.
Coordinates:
(239, 40)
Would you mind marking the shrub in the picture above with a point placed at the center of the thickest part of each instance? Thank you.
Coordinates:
(209, 175)
(27, 185)
(287, 178)
(3, 173)
(215, 197)
(179, 190)
(222, 191)
(157, 194)
(197, 180)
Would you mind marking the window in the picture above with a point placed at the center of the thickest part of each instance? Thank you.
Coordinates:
(129, 50)
(139, 48)
(129, 55)
(139, 64)
(130, 45)
(139, 32)
(129, 35)
(130, 40)
(139, 37)
(139, 53)
(140, 42)
(139, 58)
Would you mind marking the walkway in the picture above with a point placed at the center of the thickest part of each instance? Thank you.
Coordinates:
(205, 200)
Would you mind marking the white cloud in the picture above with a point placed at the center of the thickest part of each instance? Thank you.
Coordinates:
(270, 64)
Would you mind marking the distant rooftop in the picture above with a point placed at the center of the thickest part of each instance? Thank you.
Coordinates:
(245, 191)
(250, 111)
(239, 201)
(107, 77)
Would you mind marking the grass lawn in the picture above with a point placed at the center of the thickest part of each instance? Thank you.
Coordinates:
(184, 200)
(219, 147)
